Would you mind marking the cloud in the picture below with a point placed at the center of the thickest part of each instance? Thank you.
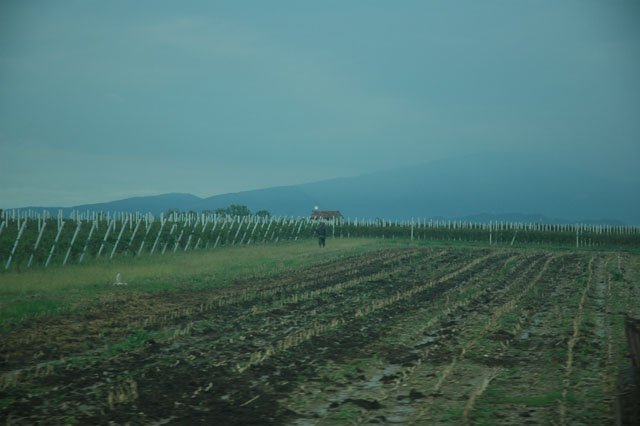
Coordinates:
(269, 68)
(111, 96)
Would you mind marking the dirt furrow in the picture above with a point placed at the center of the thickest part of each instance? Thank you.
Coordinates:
(415, 336)
(390, 378)
(571, 343)
(194, 353)
(45, 339)
(531, 387)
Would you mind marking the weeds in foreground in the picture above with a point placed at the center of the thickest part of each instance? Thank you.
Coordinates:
(131, 342)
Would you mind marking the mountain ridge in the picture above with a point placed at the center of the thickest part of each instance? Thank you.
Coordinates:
(485, 187)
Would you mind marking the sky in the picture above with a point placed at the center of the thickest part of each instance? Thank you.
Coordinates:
(103, 100)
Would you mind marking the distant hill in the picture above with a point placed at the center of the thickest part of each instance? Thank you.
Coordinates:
(474, 188)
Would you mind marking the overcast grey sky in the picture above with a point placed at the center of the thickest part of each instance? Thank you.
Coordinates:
(101, 100)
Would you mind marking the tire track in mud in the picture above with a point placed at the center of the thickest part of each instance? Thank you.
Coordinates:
(406, 375)
(477, 392)
(609, 378)
(493, 312)
(593, 371)
(571, 343)
(394, 376)
(527, 375)
(532, 388)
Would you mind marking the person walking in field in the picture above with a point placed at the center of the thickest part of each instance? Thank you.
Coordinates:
(321, 231)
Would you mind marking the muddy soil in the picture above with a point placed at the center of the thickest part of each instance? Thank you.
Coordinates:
(404, 336)
(113, 317)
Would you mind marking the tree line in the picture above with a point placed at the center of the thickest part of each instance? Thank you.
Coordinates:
(233, 210)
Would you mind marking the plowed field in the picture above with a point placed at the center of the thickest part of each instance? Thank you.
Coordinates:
(415, 335)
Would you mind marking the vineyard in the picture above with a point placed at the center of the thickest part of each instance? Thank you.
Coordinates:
(398, 333)
(28, 239)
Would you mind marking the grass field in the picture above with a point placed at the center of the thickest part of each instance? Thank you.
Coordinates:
(60, 289)
(364, 331)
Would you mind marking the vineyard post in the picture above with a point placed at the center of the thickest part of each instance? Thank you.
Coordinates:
(238, 231)
(215, 223)
(35, 246)
(175, 247)
(86, 244)
(577, 242)
(2, 226)
(73, 240)
(53, 247)
(186, 246)
(166, 244)
(252, 231)
(411, 229)
(15, 245)
(115, 246)
(224, 224)
(299, 228)
(231, 221)
(293, 227)
(514, 237)
(148, 225)
(106, 234)
(244, 234)
(283, 230)
(138, 222)
(490, 233)
(273, 233)
(292, 222)
(266, 232)
(157, 237)
(206, 223)
(263, 221)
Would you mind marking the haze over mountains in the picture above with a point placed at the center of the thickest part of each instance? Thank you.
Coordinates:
(476, 188)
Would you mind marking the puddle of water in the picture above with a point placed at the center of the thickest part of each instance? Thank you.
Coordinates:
(398, 414)
(164, 421)
(374, 382)
(424, 342)
(536, 319)
(356, 391)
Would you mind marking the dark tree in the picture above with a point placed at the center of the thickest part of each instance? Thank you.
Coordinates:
(239, 210)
